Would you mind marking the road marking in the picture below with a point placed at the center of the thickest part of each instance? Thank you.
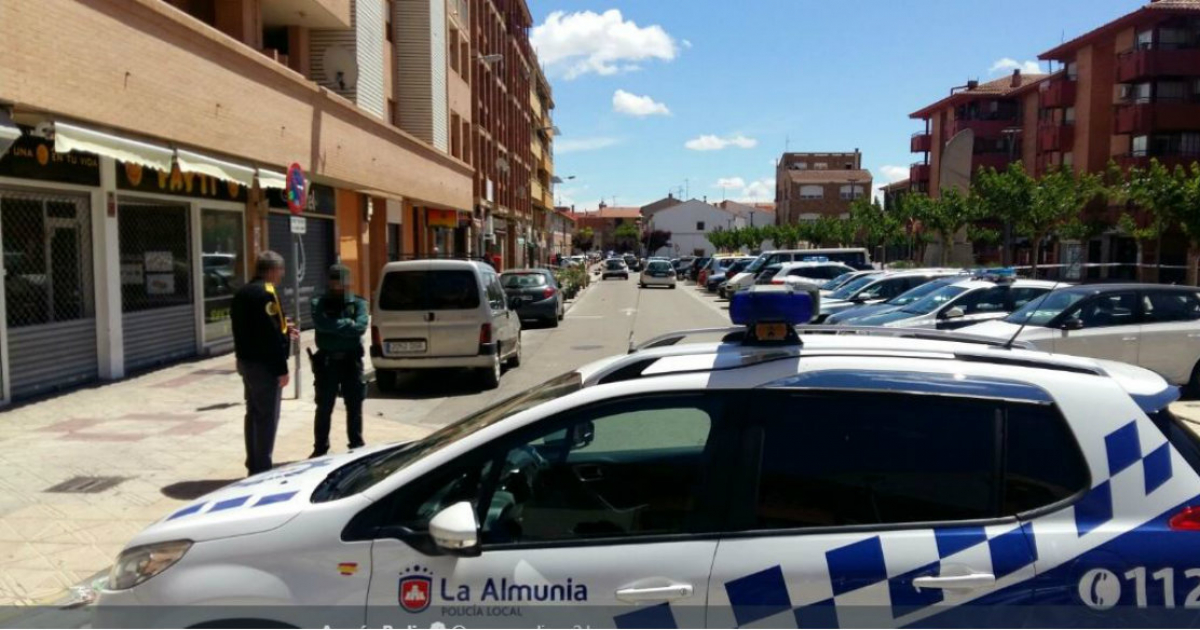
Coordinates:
(629, 311)
(586, 316)
(691, 290)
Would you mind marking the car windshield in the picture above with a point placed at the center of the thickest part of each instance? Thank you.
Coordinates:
(916, 293)
(522, 280)
(1039, 311)
(838, 281)
(846, 290)
(934, 301)
(757, 264)
(658, 265)
(371, 469)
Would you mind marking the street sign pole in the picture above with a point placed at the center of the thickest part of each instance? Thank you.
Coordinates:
(296, 299)
(297, 198)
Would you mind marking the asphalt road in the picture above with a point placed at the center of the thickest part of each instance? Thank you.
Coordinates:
(600, 324)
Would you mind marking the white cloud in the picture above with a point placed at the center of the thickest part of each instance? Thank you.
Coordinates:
(575, 44)
(891, 174)
(730, 182)
(717, 143)
(639, 106)
(1008, 64)
(576, 145)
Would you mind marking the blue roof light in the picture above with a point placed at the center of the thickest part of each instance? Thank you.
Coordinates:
(815, 259)
(771, 304)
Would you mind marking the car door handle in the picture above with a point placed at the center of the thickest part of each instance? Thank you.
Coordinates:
(655, 593)
(956, 582)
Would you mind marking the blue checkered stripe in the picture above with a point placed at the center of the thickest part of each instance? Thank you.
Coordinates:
(867, 580)
(246, 501)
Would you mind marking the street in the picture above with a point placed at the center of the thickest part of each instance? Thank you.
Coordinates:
(141, 448)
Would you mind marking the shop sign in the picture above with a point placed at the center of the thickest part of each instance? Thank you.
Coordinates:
(31, 157)
(441, 218)
(323, 199)
(142, 179)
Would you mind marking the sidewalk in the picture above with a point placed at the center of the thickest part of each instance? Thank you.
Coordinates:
(162, 438)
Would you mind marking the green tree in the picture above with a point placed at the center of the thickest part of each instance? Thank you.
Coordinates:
(1161, 194)
(721, 239)
(584, 238)
(944, 216)
(873, 226)
(656, 240)
(1002, 196)
(1187, 214)
(749, 237)
(1057, 203)
(626, 235)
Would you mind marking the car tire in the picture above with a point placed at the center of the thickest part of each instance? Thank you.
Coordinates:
(385, 380)
(489, 377)
(552, 322)
(672, 286)
(515, 360)
(1193, 386)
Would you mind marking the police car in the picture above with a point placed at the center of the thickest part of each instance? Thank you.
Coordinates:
(766, 475)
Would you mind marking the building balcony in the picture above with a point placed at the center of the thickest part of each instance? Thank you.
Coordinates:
(1145, 118)
(1170, 160)
(333, 14)
(998, 161)
(535, 146)
(922, 142)
(1140, 64)
(1056, 137)
(1058, 92)
(919, 172)
(986, 128)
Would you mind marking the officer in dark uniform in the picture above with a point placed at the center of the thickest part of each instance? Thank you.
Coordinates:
(340, 318)
(262, 339)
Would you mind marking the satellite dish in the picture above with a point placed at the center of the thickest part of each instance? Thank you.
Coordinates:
(341, 69)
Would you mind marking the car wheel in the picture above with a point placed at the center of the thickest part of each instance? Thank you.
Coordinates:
(515, 360)
(385, 380)
(489, 377)
(672, 286)
(1193, 386)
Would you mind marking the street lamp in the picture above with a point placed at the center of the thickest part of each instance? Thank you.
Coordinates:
(558, 180)
(552, 129)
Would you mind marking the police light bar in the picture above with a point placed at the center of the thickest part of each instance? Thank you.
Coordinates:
(815, 259)
(770, 312)
(995, 272)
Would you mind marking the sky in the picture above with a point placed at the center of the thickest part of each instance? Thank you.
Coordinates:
(702, 96)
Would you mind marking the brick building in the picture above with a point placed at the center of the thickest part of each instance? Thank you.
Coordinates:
(604, 223)
(811, 185)
(541, 183)
(153, 140)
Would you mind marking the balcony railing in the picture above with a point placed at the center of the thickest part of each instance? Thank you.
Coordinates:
(1059, 92)
(998, 161)
(1144, 118)
(1170, 160)
(986, 128)
(1056, 137)
(919, 172)
(922, 142)
(1155, 62)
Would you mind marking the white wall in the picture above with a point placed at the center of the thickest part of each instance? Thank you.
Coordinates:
(681, 222)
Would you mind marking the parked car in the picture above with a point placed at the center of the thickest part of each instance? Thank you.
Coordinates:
(849, 316)
(614, 268)
(693, 272)
(717, 262)
(813, 272)
(852, 256)
(960, 304)
(878, 288)
(1151, 325)
(657, 274)
(837, 282)
(535, 293)
(442, 314)
(735, 266)
(632, 262)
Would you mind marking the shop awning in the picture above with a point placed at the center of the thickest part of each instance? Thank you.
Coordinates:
(190, 162)
(68, 137)
(272, 179)
(8, 132)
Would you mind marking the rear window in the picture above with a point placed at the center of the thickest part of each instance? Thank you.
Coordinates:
(438, 290)
(659, 266)
(615, 264)
(522, 280)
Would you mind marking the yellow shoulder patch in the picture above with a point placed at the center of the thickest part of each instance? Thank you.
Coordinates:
(269, 287)
(272, 309)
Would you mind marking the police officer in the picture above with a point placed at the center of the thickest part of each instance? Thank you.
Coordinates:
(262, 339)
(340, 318)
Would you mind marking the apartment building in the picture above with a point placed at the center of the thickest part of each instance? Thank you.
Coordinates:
(690, 223)
(811, 185)
(560, 232)
(1001, 114)
(149, 167)
(541, 182)
(503, 68)
(604, 223)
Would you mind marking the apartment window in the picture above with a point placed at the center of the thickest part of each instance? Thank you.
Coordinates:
(464, 53)
(454, 65)
(466, 147)
(391, 112)
(1069, 116)
(387, 32)
(1145, 39)
(1068, 159)
(455, 136)
(1189, 143)
(821, 166)
(1140, 145)
(812, 192)
(800, 166)
(851, 192)
(1073, 70)
(1171, 38)
(1172, 91)
(1140, 93)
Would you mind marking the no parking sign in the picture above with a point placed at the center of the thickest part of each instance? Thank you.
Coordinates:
(297, 189)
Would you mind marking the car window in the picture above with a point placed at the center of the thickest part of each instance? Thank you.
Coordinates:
(891, 461)
(935, 300)
(850, 288)
(523, 280)
(1020, 296)
(918, 292)
(990, 300)
(1109, 309)
(442, 289)
(1170, 306)
(1043, 464)
(495, 292)
(615, 264)
(1040, 311)
(636, 468)
(658, 266)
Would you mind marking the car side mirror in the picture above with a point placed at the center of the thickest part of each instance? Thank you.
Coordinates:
(1072, 323)
(455, 530)
(953, 313)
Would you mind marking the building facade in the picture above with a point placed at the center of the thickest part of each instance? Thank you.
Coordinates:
(690, 223)
(604, 223)
(541, 182)
(560, 232)
(809, 186)
(150, 166)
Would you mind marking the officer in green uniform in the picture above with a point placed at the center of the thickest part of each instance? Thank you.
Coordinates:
(340, 318)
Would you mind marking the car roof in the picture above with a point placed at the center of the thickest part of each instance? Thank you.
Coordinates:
(1127, 286)
(436, 264)
(813, 263)
(526, 270)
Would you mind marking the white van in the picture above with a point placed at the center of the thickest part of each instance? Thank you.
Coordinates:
(442, 314)
(856, 257)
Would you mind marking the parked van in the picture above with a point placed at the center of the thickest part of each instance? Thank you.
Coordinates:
(856, 257)
(442, 314)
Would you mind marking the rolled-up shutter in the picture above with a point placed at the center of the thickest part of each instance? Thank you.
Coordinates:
(160, 335)
(316, 254)
(52, 356)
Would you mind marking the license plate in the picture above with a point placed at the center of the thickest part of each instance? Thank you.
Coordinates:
(404, 347)
(770, 332)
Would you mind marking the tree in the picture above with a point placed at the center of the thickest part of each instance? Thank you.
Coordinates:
(1002, 197)
(721, 239)
(626, 235)
(1161, 194)
(1187, 214)
(873, 226)
(749, 237)
(944, 216)
(584, 238)
(1056, 203)
(656, 240)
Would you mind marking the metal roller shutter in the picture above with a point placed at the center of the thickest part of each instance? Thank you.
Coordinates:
(50, 357)
(159, 336)
(316, 254)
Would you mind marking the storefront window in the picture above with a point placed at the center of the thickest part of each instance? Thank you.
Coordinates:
(155, 266)
(47, 259)
(223, 259)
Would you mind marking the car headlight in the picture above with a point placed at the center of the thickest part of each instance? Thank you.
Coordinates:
(138, 564)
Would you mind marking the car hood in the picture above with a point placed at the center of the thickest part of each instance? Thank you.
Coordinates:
(835, 306)
(886, 317)
(863, 311)
(252, 505)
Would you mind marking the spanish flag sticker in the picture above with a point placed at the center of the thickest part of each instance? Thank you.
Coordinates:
(347, 568)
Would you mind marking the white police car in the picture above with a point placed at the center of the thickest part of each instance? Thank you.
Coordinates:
(881, 478)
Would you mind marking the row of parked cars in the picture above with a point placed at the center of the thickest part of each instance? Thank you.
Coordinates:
(1151, 325)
